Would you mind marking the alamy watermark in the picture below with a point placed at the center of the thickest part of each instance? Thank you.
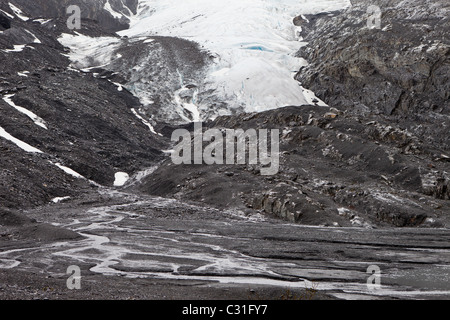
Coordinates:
(374, 20)
(228, 146)
(374, 281)
(74, 20)
(74, 280)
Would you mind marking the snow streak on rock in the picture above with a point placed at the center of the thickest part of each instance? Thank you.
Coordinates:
(36, 119)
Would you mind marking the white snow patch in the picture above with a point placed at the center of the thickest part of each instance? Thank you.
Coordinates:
(88, 70)
(36, 119)
(72, 69)
(430, 220)
(68, 171)
(434, 46)
(26, 147)
(17, 48)
(42, 21)
(189, 106)
(312, 99)
(146, 101)
(8, 263)
(121, 178)
(343, 211)
(18, 12)
(144, 173)
(108, 8)
(148, 124)
(119, 86)
(23, 145)
(35, 40)
(23, 73)
(7, 14)
(419, 49)
(60, 199)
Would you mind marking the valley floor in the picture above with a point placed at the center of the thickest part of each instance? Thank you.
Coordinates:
(142, 247)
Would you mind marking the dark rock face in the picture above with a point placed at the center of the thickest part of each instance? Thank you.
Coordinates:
(90, 126)
(400, 71)
(90, 10)
(5, 23)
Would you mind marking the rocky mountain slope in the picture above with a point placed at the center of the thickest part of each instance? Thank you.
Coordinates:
(336, 169)
(377, 155)
(399, 71)
(86, 177)
(87, 130)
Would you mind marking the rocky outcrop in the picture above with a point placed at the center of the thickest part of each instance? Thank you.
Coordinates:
(336, 168)
(399, 71)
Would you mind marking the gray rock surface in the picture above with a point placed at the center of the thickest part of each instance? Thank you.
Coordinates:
(399, 72)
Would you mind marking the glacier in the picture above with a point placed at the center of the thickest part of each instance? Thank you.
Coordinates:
(253, 43)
